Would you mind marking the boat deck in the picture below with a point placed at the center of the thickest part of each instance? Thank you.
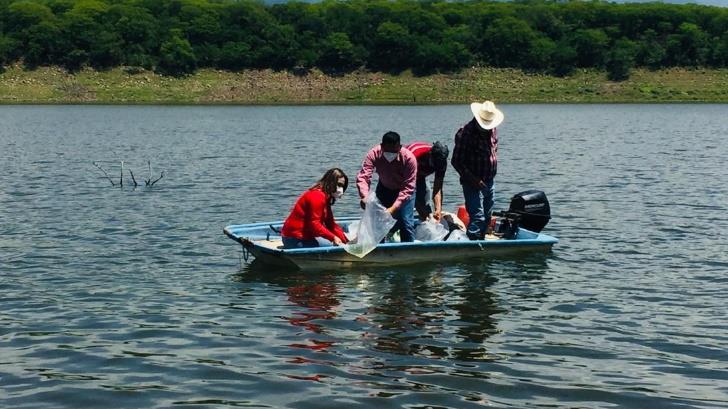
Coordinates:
(277, 243)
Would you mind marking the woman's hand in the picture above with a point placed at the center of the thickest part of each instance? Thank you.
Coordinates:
(337, 241)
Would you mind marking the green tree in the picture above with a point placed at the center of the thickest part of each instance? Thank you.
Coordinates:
(279, 48)
(591, 47)
(339, 54)
(235, 55)
(429, 57)
(86, 41)
(541, 54)
(8, 48)
(507, 42)
(688, 47)
(620, 60)
(176, 56)
(719, 56)
(304, 17)
(44, 44)
(200, 22)
(105, 49)
(650, 53)
(139, 33)
(338, 35)
(207, 54)
(24, 14)
(564, 60)
(393, 47)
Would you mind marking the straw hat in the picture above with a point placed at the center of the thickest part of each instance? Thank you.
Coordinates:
(487, 115)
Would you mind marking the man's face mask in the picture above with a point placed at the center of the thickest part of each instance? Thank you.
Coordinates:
(390, 156)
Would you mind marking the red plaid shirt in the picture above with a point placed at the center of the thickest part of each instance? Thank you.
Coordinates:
(475, 156)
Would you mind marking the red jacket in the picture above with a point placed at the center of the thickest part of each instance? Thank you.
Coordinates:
(421, 150)
(312, 217)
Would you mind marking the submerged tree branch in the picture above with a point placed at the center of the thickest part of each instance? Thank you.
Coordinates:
(105, 174)
(160, 177)
(132, 177)
(148, 182)
(149, 164)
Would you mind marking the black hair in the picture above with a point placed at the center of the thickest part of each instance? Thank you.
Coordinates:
(439, 154)
(390, 138)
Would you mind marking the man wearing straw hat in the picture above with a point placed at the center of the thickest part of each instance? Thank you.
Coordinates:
(475, 158)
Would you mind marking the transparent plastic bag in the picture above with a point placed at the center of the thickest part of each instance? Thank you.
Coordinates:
(374, 225)
(430, 230)
(352, 230)
(453, 221)
(458, 235)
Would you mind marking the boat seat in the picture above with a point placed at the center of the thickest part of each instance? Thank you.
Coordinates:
(275, 244)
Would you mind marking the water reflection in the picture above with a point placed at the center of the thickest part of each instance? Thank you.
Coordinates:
(408, 307)
(435, 312)
(477, 307)
(383, 330)
(318, 299)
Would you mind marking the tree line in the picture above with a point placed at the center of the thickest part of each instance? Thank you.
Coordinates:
(176, 37)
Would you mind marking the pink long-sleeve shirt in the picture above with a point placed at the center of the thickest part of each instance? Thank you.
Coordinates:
(399, 174)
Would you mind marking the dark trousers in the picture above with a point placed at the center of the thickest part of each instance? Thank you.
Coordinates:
(404, 215)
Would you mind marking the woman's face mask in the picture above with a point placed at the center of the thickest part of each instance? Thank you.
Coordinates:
(390, 156)
(339, 193)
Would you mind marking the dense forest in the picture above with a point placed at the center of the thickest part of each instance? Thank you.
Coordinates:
(176, 37)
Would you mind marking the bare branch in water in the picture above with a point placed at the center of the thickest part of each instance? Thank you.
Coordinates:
(149, 164)
(149, 182)
(105, 174)
(160, 176)
(132, 177)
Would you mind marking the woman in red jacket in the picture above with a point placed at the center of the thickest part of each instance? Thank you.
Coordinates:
(311, 223)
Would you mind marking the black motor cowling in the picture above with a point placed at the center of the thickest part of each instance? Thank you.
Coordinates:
(532, 208)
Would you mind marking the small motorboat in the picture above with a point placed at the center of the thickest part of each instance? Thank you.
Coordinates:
(519, 231)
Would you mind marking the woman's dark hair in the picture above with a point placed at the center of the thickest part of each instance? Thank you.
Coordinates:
(328, 181)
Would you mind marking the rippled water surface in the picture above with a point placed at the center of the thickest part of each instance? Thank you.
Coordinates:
(133, 298)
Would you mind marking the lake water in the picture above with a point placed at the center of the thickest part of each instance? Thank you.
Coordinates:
(133, 298)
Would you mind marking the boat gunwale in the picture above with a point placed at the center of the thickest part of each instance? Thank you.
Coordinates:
(540, 239)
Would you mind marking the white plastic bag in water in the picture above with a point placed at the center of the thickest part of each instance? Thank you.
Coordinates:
(430, 230)
(374, 225)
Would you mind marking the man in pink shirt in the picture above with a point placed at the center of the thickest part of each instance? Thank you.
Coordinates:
(397, 171)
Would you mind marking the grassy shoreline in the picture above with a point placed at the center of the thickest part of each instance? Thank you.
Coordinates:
(48, 85)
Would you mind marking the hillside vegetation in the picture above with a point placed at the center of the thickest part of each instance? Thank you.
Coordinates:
(178, 37)
(208, 86)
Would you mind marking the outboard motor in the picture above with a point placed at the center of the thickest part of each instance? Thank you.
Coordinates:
(532, 208)
(529, 209)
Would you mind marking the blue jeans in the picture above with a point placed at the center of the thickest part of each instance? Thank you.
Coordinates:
(291, 243)
(479, 203)
(404, 215)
